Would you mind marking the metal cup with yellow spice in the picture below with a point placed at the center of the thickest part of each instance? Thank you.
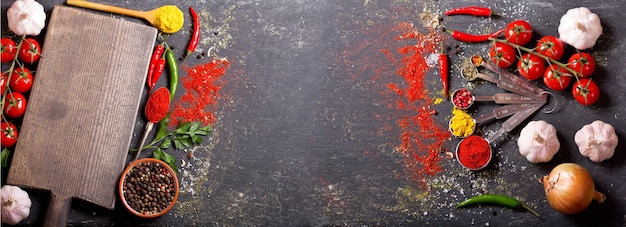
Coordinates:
(461, 124)
(168, 19)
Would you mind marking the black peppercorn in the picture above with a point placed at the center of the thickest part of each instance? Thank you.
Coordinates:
(144, 185)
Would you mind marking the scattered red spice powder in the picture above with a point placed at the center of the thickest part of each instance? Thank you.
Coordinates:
(422, 139)
(202, 91)
(474, 152)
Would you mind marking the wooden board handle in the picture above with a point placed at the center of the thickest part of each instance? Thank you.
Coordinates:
(107, 8)
(58, 210)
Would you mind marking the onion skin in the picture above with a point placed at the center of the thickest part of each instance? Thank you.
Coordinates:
(570, 189)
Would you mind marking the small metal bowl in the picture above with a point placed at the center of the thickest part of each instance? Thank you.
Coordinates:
(133, 166)
(474, 138)
(460, 136)
(456, 93)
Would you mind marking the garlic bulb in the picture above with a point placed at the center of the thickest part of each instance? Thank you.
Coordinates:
(596, 141)
(580, 28)
(538, 142)
(15, 204)
(26, 17)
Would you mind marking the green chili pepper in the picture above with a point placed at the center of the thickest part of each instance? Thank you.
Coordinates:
(497, 200)
(173, 70)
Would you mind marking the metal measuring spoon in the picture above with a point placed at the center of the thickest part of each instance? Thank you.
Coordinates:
(504, 111)
(520, 82)
(513, 122)
(470, 73)
(497, 113)
(464, 99)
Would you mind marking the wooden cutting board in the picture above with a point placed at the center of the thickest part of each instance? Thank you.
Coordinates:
(82, 108)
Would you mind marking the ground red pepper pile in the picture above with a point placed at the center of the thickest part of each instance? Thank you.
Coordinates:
(474, 152)
(421, 138)
(202, 91)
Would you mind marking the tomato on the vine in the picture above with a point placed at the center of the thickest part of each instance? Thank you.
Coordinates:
(582, 63)
(9, 134)
(14, 105)
(531, 66)
(4, 81)
(519, 32)
(551, 47)
(9, 50)
(586, 92)
(21, 80)
(30, 51)
(556, 78)
(502, 55)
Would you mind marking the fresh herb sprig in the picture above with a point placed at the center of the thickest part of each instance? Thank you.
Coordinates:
(184, 136)
(5, 157)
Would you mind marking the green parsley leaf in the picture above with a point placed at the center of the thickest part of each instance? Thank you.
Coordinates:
(167, 158)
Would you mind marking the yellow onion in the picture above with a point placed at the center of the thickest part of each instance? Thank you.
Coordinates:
(570, 189)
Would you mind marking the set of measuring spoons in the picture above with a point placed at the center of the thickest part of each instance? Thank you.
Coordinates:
(525, 97)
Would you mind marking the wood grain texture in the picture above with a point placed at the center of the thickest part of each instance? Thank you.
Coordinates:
(78, 126)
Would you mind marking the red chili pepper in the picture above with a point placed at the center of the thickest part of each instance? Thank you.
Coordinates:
(443, 71)
(156, 55)
(471, 10)
(160, 66)
(195, 37)
(472, 38)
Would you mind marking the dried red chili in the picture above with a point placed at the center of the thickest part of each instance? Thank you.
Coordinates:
(443, 71)
(158, 70)
(195, 35)
(472, 38)
(156, 55)
(202, 86)
(471, 10)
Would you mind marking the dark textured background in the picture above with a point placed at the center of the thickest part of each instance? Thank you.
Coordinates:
(299, 138)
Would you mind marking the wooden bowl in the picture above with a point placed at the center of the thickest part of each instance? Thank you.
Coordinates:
(155, 193)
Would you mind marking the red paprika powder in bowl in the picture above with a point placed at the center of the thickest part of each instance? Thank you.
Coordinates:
(474, 152)
(148, 188)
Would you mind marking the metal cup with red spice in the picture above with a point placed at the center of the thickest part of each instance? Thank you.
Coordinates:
(474, 152)
(462, 98)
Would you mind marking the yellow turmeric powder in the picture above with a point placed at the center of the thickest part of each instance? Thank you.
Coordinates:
(461, 123)
(169, 19)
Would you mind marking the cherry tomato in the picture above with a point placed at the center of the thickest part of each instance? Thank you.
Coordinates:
(531, 66)
(21, 80)
(14, 105)
(556, 78)
(4, 81)
(502, 55)
(551, 47)
(30, 51)
(519, 32)
(9, 50)
(9, 134)
(583, 63)
(586, 92)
